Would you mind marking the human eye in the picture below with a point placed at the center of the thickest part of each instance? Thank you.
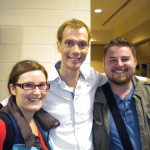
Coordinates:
(28, 86)
(42, 85)
(83, 45)
(69, 43)
(125, 59)
(112, 60)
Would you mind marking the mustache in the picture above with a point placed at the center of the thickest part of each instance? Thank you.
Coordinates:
(119, 69)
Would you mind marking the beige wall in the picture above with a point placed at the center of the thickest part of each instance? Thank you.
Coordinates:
(28, 31)
(97, 57)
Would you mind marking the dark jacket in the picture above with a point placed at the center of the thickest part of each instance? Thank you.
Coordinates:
(45, 121)
(101, 116)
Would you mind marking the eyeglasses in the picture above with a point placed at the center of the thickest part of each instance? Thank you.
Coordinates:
(31, 86)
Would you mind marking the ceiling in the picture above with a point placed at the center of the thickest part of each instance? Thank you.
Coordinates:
(116, 13)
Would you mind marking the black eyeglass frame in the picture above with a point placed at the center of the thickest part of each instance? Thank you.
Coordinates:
(22, 86)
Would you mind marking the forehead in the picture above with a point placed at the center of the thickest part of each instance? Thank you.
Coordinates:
(119, 51)
(75, 33)
(36, 75)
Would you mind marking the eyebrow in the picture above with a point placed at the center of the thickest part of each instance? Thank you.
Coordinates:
(33, 82)
(76, 40)
(121, 57)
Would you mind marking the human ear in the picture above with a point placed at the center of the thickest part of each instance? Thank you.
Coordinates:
(12, 89)
(58, 47)
(103, 63)
(135, 62)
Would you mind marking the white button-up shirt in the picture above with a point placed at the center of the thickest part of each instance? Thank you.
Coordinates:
(72, 109)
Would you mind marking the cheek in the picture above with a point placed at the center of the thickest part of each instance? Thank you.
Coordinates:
(130, 65)
(44, 94)
(22, 96)
(84, 53)
(108, 66)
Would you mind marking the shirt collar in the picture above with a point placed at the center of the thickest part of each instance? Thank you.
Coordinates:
(53, 74)
(86, 73)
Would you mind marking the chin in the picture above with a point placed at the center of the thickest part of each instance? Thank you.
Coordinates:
(34, 109)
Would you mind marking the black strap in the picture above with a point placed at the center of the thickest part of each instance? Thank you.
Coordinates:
(1, 106)
(9, 140)
(122, 131)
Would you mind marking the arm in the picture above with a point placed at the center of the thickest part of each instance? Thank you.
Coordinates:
(142, 78)
(4, 102)
(3, 134)
(104, 78)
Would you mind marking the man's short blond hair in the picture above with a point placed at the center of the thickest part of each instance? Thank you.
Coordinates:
(73, 23)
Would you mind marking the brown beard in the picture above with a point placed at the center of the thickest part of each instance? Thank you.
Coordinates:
(120, 80)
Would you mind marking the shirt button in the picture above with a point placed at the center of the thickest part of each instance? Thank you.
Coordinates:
(126, 110)
(56, 123)
(120, 102)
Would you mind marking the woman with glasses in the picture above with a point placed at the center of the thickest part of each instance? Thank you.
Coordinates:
(28, 87)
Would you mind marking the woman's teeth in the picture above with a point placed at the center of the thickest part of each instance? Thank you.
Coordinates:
(34, 100)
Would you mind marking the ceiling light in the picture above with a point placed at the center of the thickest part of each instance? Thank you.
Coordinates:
(98, 10)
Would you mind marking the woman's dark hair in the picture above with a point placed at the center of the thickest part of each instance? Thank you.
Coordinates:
(23, 67)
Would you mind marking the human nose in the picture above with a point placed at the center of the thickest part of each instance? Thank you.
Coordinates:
(37, 90)
(119, 62)
(76, 49)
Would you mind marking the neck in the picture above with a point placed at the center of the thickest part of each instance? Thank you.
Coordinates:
(121, 90)
(70, 77)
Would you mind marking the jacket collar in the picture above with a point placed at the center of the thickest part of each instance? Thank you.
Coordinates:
(137, 83)
(99, 96)
(46, 122)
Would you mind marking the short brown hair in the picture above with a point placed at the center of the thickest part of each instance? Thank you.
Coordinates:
(73, 23)
(119, 41)
(23, 67)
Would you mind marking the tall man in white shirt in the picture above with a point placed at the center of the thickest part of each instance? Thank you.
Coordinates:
(71, 95)
(70, 98)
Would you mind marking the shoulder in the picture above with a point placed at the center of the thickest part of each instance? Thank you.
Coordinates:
(92, 73)
(145, 83)
(2, 127)
(53, 74)
(141, 87)
(8, 130)
(5, 118)
(3, 133)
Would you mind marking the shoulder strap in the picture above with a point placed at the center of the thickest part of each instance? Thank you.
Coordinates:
(10, 135)
(121, 128)
(1, 106)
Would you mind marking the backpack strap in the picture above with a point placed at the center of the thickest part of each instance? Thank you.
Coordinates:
(18, 139)
(120, 125)
(1, 106)
(10, 135)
